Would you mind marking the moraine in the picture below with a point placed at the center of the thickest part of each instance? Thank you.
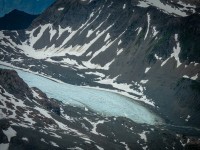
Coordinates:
(103, 102)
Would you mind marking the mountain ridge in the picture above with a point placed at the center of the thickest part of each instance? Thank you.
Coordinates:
(16, 20)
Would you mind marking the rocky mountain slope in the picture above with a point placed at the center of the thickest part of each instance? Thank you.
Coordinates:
(146, 50)
(16, 20)
(30, 120)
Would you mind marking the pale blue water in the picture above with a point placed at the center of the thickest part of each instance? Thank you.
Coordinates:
(107, 103)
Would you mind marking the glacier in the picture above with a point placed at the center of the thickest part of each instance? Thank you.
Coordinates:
(100, 101)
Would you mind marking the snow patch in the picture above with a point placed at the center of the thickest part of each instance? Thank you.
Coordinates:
(54, 144)
(181, 11)
(176, 52)
(107, 37)
(99, 148)
(25, 139)
(185, 76)
(147, 69)
(96, 73)
(120, 51)
(35, 94)
(144, 81)
(43, 140)
(187, 119)
(120, 41)
(155, 32)
(61, 8)
(157, 57)
(126, 146)
(89, 33)
(195, 77)
(55, 135)
(143, 4)
(9, 133)
(89, 54)
(28, 119)
(143, 136)
(82, 76)
(192, 78)
(148, 26)
(52, 32)
(138, 30)
(94, 124)
(124, 6)
(125, 88)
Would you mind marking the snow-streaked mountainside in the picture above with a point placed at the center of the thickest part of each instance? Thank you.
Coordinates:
(146, 50)
(31, 120)
(30, 6)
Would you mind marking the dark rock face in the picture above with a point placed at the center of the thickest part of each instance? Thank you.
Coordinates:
(16, 20)
(12, 83)
(189, 100)
(189, 37)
